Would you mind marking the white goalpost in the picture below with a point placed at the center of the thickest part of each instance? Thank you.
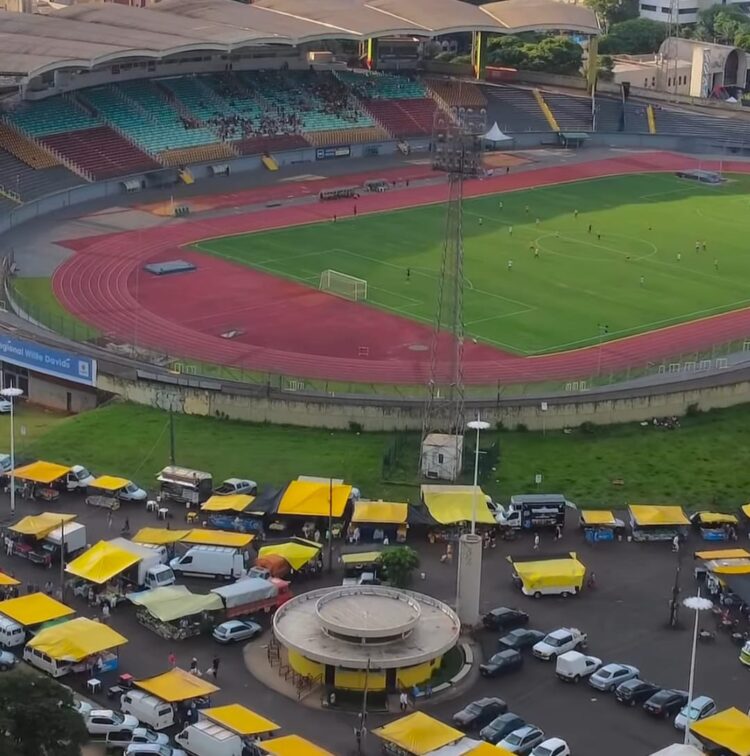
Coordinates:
(343, 285)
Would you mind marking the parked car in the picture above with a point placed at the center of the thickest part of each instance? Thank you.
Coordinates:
(522, 740)
(82, 707)
(153, 749)
(7, 661)
(520, 638)
(611, 675)
(147, 735)
(102, 721)
(479, 713)
(501, 726)
(236, 630)
(573, 665)
(552, 747)
(700, 707)
(559, 642)
(666, 702)
(504, 618)
(635, 691)
(501, 662)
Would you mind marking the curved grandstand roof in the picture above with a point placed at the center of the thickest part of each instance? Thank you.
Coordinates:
(88, 36)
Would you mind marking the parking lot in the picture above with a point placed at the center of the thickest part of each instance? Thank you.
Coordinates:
(625, 617)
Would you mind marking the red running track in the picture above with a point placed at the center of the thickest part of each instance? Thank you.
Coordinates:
(286, 328)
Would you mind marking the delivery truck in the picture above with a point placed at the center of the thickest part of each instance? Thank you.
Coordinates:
(150, 571)
(206, 738)
(532, 511)
(253, 595)
(220, 562)
(67, 541)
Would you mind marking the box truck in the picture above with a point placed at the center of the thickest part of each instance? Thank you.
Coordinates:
(252, 595)
(220, 562)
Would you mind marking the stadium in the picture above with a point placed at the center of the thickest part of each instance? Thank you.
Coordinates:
(246, 193)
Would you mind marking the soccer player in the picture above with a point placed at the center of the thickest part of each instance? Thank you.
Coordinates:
(532, 246)
(704, 246)
(408, 273)
(500, 205)
(643, 280)
(536, 252)
(480, 221)
(527, 210)
(537, 221)
(679, 256)
(575, 213)
(510, 230)
(589, 228)
(697, 246)
(510, 264)
(716, 264)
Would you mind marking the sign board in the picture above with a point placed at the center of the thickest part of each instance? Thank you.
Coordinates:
(326, 153)
(44, 359)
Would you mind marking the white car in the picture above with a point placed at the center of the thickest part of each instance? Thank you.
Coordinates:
(552, 747)
(4, 406)
(102, 721)
(558, 642)
(138, 749)
(700, 707)
(522, 740)
(236, 630)
(82, 707)
(232, 486)
(611, 675)
(132, 492)
(146, 735)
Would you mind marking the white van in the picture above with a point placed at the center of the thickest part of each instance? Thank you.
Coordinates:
(40, 660)
(11, 633)
(210, 561)
(206, 738)
(573, 665)
(148, 709)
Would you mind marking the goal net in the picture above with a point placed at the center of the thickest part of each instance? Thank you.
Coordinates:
(343, 285)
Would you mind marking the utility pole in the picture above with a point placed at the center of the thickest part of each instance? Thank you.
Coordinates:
(330, 524)
(171, 437)
(62, 559)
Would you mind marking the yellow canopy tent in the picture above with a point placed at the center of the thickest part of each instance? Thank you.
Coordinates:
(41, 525)
(380, 512)
(451, 504)
(716, 518)
(307, 498)
(233, 503)
(647, 515)
(109, 483)
(34, 609)
(101, 562)
(159, 536)
(361, 557)
(240, 719)
(76, 639)
(170, 602)
(218, 538)
(485, 749)
(8, 580)
(292, 745)
(176, 685)
(729, 729)
(550, 573)
(745, 509)
(729, 566)
(597, 517)
(723, 554)
(41, 472)
(418, 733)
(297, 554)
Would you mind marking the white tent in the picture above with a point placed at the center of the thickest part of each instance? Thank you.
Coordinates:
(679, 750)
(495, 135)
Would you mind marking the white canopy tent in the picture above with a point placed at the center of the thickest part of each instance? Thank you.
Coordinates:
(496, 135)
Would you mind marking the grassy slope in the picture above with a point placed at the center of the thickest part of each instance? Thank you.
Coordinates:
(577, 282)
(701, 463)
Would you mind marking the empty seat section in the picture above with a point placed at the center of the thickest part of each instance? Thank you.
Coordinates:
(200, 154)
(347, 136)
(53, 116)
(280, 143)
(29, 183)
(571, 113)
(457, 94)
(101, 153)
(24, 149)
(682, 122)
(609, 116)
(515, 110)
(369, 85)
(404, 118)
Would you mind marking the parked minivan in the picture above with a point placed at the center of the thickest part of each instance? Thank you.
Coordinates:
(148, 709)
(40, 660)
(11, 633)
(210, 561)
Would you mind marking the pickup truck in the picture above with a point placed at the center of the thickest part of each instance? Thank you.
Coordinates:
(232, 486)
(559, 642)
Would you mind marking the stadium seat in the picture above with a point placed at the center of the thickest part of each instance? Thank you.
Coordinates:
(259, 145)
(55, 115)
(203, 154)
(31, 183)
(24, 149)
(347, 136)
(571, 113)
(404, 118)
(514, 109)
(456, 94)
(369, 85)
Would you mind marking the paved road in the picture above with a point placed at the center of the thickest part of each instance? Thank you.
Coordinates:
(625, 617)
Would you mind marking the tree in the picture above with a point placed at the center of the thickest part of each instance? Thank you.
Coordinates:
(555, 55)
(706, 26)
(399, 563)
(742, 40)
(612, 11)
(635, 37)
(606, 67)
(727, 27)
(37, 717)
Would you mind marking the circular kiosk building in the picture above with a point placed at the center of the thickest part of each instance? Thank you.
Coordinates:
(353, 636)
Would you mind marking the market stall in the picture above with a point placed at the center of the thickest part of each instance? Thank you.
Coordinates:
(31, 613)
(104, 492)
(379, 522)
(600, 525)
(650, 522)
(308, 505)
(179, 687)
(29, 533)
(452, 508)
(557, 575)
(715, 526)
(42, 480)
(289, 558)
(100, 573)
(173, 612)
(416, 734)
(359, 563)
(240, 720)
(728, 730)
(291, 745)
(206, 537)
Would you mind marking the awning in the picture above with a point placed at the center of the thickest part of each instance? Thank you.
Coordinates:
(41, 472)
(297, 554)
(418, 733)
(715, 518)
(218, 538)
(729, 566)
(292, 745)
(648, 515)
(745, 510)
(729, 729)
(34, 609)
(678, 749)
(597, 517)
(176, 685)
(76, 639)
(40, 526)
(469, 745)
(380, 512)
(109, 483)
(363, 557)
(8, 580)
(723, 554)
(233, 503)
(240, 719)
(171, 602)
(305, 498)
(159, 536)
(101, 562)
(449, 505)
(550, 573)
(485, 749)
(496, 135)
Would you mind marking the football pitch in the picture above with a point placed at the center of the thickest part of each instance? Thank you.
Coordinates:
(547, 269)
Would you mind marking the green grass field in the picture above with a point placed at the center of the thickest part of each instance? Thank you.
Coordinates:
(642, 226)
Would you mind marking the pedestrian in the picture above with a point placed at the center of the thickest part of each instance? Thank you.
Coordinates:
(334, 218)
(357, 535)
(480, 221)
(589, 228)
(215, 666)
(575, 213)
(109, 518)
(676, 544)
(558, 533)
(172, 659)
(448, 555)
(355, 211)
(105, 612)
(500, 205)
(48, 587)
(193, 666)
(126, 526)
(510, 230)
(316, 536)
(403, 700)
(536, 541)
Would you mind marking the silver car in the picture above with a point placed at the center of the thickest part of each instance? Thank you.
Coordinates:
(608, 677)
(236, 630)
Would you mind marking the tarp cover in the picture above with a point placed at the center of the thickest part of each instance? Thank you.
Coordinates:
(597, 517)
(109, 483)
(419, 733)
(176, 685)
(716, 518)
(41, 472)
(231, 503)
(646, 515)
(729, 729)
(380, 512)
(240, 719)
(297, 554)
(550, 573)
(218, 538)
(485, 749)
(453, 504)
(101, 562)
(729, 566)
(361, 557)
(245, 591)
(159, 536)
(745, 510)
(8, 580)
(679, 750)
(305, 498)
(723, 554)
(34, 609)
(76, 639)
(171, 602)
(496, 135)
(292, 745)
(40, 526)
(467, 746)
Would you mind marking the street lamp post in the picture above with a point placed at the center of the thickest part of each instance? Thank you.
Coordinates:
(698, 604)
(11, 393)
(477, 425)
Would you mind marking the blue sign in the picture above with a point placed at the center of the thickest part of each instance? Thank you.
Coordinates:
(43, 359)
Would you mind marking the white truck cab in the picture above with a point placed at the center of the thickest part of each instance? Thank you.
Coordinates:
(78, 479)
(558, 642)
(232, 486)
(573, 665)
